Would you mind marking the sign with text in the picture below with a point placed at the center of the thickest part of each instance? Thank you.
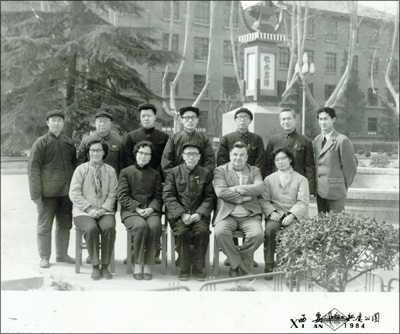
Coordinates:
(267, 69)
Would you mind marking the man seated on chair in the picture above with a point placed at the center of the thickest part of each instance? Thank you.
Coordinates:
(238, 185)
(189, 199)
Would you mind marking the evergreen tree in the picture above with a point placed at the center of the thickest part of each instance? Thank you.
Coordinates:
(72, 58)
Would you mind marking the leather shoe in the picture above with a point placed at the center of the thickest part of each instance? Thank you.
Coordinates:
(157, 260)
(184, 276)
(268, 270)
(234, 272)
(226, 262)
(147, 276)
(255, 264)
(96, 274)
(138, 276)
(44, 263)
(88, 260)
(198, 274)
(243, 269)
(106, 273)
(66, 259)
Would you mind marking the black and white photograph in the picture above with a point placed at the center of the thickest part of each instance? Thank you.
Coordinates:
(200, 166)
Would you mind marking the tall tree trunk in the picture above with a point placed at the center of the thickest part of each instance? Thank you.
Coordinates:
(71, 81)
(234, 55)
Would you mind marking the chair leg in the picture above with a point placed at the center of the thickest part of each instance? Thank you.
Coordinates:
(129, 252)
(164, 252)
(208, 260)
(78, 252)
(216, 257)
(173, 265)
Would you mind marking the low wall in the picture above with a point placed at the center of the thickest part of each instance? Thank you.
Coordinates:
(377, 178)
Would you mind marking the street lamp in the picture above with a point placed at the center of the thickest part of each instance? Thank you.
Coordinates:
(305, 70)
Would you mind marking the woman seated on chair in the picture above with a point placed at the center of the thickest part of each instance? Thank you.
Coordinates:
(139, 192)
(285, 198)
(93, 192)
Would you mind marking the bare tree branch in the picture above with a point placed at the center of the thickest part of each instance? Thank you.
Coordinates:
(233, 46)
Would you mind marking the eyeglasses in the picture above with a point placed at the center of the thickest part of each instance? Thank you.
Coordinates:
(144, 153)
(281, 159)
(243, 118)
(192, 155)
(96, 151)
(189, 118)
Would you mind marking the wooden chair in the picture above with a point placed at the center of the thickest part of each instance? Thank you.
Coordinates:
(80, 244)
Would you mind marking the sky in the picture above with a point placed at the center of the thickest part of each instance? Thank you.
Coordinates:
(387, 6)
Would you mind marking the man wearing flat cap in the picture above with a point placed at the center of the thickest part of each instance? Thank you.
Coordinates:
(172, 155)
(189, 198)
(52, 161)
(103, 123)
(148, 117)
(243, 118)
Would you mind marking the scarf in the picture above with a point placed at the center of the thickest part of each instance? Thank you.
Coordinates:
(285, 176)
(97, 179)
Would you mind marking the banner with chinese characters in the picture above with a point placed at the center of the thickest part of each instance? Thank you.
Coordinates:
(267, 69)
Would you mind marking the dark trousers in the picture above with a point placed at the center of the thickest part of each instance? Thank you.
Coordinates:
(61, 209)
(92, 229)
(146, 234)
(196, 234)
(326, 205)
(271, 227)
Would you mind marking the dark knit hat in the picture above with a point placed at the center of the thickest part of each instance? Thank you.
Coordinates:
(103, 114)
(147, 106)
(190, 108)
(245, 110)
(53, 113)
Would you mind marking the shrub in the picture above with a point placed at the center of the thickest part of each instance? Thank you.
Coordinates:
(367, 154)
(360, 152)
(334, 249)
(380, 160)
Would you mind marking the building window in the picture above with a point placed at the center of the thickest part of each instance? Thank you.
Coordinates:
(281, 88)
(227, 52)
(355, 64)
(310, 55)
(372, 126)
(372, 98)
(328, 91)
(202, 12)
(310, 28)
(284, 57)
(170, 78)
(231, 86)
(331, 29)
(227, 14)
(330, 62)
(200, 48)
(167, 10)
(374, 36)
(375, 67)
(198, 83)
(175, 42)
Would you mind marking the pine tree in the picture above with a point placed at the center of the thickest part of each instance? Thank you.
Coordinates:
(72, 58)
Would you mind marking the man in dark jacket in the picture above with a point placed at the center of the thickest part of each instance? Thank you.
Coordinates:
(300, 146)
(243, 118)
(51, 164)
(103, 123)
(172, 155)
(189, 198)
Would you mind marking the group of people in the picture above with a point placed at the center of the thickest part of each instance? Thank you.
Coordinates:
(243, 183)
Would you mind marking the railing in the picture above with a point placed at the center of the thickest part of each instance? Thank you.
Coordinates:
(263, 36)
(389, 286)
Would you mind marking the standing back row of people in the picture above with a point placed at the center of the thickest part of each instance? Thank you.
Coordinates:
(335, 165)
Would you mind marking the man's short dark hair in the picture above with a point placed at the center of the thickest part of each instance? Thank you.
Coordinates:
(98, 141)
(244, 110)
(330, 111)
(147, 106)
(288, 110)
(240, 144)
(143, 143)
(288, 153)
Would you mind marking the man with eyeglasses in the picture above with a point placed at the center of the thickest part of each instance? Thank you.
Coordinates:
(103, 123)
(148, 117)
(52, 161)
(172, 155)
(300, 146)
(189, 197)
(243, 118)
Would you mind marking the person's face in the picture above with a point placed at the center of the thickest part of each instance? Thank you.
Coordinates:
(288, 121)
(238, 157)
(242, 121)
(103, 124)
(191, 155)
(96, 152)
(189, 120)
(282, 161)
(55, 124)
(143, 156)
(326, 122)
(147, 118)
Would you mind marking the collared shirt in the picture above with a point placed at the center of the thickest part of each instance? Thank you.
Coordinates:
(327, 135)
